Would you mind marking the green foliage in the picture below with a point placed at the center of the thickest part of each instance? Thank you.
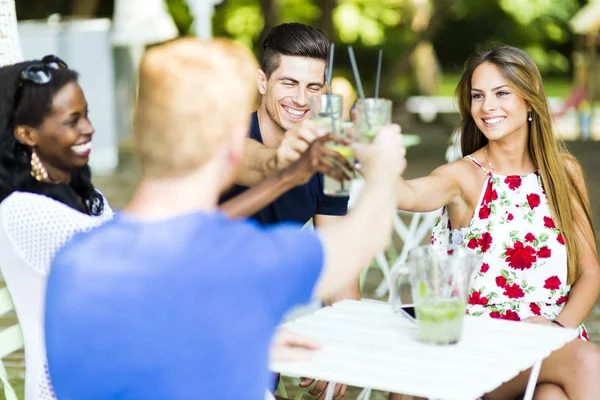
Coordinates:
(546, 21)
(304, 11)
(527, 12)
(240, 20)
(540, 27)
(366, 21)
(182, 16)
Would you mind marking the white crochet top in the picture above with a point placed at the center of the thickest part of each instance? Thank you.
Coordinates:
(32, 228)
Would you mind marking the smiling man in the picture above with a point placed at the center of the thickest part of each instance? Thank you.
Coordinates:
(292, 69)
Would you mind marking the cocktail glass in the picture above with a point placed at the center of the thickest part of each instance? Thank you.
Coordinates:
(326, 111)
(372, 115)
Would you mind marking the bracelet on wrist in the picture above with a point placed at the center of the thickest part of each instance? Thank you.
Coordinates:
(557, 323)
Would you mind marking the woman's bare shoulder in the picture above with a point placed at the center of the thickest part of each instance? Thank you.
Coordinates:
(461, 169)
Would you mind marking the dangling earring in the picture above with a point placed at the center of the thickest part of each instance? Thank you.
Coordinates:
(529, 117)
(37, 168)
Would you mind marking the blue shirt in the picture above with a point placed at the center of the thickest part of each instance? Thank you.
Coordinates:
(299, 204)
(178, 309)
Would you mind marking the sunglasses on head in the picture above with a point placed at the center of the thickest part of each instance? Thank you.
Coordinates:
(40, 73)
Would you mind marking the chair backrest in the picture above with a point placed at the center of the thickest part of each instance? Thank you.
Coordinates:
(11, 340)
(410, 235)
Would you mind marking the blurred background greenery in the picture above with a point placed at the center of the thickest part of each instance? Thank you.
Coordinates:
(425, 42)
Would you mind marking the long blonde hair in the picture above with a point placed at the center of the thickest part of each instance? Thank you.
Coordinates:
(547, 153)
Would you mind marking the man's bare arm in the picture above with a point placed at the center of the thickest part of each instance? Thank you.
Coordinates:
(259, 163)
(256, 198)
(316, 158)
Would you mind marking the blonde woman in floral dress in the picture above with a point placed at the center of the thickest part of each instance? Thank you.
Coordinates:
(520, 201)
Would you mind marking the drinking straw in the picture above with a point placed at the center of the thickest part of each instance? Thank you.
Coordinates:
(330, 69)
(378, 76)
(328, 76)
(359, 87)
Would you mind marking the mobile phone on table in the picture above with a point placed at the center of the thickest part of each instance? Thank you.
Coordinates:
(408, 310)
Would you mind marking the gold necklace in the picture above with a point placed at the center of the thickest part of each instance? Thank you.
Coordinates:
(488, 159)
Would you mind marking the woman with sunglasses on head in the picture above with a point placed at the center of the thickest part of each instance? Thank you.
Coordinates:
(46, 193)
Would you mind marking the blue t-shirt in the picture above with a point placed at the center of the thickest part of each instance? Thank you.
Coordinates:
(179, 309)
(299, 204)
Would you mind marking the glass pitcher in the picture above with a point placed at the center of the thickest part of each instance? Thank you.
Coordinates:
(440, 280)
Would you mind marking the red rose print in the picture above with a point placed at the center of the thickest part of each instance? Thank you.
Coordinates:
(500, 281)
(494, 195)
(520, 257)
(534, 200)
(561, 299)
(476, 298)
(585, 336)
(513, 291)
(513, 182)
(484, 268)
(544, 252)
(485, 241)
(529, 237)
(484, 212)
(549, 223)
(535, 309)
(510, 217)
(488, 193)
(495, 314)
(560, 239)
(511, 316)
(552, 283)
(472, 244)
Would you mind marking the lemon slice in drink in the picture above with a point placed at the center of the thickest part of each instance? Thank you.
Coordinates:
(344, 151)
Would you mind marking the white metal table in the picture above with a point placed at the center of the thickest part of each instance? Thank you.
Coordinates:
(365, 344)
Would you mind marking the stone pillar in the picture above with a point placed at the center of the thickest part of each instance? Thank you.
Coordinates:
(10, 48)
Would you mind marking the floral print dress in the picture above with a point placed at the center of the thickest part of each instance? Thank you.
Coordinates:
(523, 271)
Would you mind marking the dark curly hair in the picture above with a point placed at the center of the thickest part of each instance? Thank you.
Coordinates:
(33, 105)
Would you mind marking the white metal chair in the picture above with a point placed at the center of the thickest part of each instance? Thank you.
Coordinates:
(32, 228)
(411, 235)
(11, 340)
(418, 228)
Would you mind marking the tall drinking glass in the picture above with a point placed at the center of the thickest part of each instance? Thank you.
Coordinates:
(440, 280)
(326, 111)
(372, 115)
